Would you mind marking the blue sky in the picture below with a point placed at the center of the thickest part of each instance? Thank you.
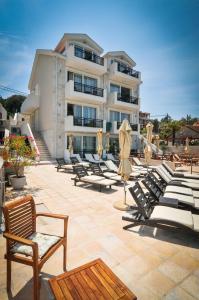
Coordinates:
(162, 36)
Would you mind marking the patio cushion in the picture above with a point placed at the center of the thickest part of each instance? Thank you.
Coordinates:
(92, 178)
(44, 241)
(179, 190)
(196, 194)
(196, 222)
(112, 176)
(107, 182)
(188, 199)
(196, 203)
(172, 214)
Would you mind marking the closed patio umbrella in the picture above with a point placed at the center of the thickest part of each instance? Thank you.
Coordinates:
(125, 168)
(148, 149)
(187, 148)
(107, 142)
(99, 142)
(70, 146)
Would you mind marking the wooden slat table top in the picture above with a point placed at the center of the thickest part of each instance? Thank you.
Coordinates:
(94, 280)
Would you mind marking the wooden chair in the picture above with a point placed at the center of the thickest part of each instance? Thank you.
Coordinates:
(25, 245)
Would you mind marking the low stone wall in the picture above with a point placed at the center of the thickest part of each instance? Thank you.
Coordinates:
(194, 150)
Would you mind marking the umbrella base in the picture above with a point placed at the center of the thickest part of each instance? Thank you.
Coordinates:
(121, 205)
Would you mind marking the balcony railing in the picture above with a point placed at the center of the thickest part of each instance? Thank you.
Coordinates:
(134, 127)
(88, 89)
(127, 99)
(89, 56)
(126, 70)
(87, 122)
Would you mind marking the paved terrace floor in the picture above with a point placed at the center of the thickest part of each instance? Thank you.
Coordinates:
(154, 264)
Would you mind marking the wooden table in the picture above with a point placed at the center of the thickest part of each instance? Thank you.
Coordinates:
(93, 280)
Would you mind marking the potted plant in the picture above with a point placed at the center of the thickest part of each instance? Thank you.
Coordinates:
(17, 154)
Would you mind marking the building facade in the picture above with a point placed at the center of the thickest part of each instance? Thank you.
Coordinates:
(74, 90)
(144, 118)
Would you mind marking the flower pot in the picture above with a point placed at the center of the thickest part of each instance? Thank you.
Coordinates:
(18, 182)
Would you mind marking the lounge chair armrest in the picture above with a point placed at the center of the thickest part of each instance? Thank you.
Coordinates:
(50, 215)
(19, 239)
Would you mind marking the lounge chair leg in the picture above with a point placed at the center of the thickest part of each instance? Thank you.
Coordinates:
(35, 283)
(8, 275)
(64, 258)
(128, 226)
(100, 188)
(110, 186)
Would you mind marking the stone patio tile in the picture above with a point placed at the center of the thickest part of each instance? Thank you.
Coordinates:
(173, 271)
(157, 283)
(185, 261)
(191, 285)
(178, 294)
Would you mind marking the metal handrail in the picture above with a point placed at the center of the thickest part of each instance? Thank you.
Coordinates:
(88, 55)
(134, 127)
(87, 122)
(88, 89)
(127, 70)
(127, 99)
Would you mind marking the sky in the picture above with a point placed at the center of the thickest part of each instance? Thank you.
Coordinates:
(161, 36)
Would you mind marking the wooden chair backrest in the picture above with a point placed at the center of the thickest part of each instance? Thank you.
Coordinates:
(74, 160)
(96, 169)
(20, 217)
(152, 188)
(80, 171)
(156, 181)
(144, 207)
(60, 161)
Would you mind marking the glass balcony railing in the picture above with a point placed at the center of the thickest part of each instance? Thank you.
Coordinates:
(134, 127)
(126, 70)
(88, 89)
(88, 55)
(127, 99)
(87, 122)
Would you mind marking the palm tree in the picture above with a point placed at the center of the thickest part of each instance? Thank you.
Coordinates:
(174, 126)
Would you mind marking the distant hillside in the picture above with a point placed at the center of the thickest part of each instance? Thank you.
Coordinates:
(12, 104)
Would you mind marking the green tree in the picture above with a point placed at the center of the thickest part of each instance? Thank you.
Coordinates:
(155, 125)
(12, 104)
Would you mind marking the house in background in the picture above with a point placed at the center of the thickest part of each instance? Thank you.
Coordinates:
(144, 118)
(75, 90)
(190, 131)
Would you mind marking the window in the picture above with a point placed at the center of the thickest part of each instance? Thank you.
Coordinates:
(89, 112)
(114, 116)
(70, 76)
(78, 78)
(79, 51)
(70, 109)
(90, 81)
(89, 144)
(125, 93)
(125, 116)
(114, 88)
(77, 144)
(77, 111)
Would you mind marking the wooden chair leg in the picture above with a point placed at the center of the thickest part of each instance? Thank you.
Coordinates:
(35, 283)
(8, 275)
(64, 258)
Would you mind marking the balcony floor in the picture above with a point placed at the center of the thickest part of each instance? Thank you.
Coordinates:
(154, 264)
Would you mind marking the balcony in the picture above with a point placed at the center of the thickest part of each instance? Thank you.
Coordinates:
(88, 89)
(117, 100)
(85, 61)
(134, 127)
(86, 125)
(81, 92)
(30, 104)
(116, 125)
(124, 74)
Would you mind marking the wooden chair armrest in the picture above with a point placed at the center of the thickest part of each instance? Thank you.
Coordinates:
(50, 215)
(19, 239)
(56, 216)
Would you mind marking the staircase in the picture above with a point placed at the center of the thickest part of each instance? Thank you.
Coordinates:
(43, 150)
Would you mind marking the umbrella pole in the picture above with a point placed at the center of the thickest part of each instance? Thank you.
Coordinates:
(124, 192)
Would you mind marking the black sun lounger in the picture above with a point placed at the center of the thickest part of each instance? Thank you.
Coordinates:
(159, 216)
(83, 176)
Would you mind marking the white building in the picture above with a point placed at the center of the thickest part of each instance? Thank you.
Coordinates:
(75, 90)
